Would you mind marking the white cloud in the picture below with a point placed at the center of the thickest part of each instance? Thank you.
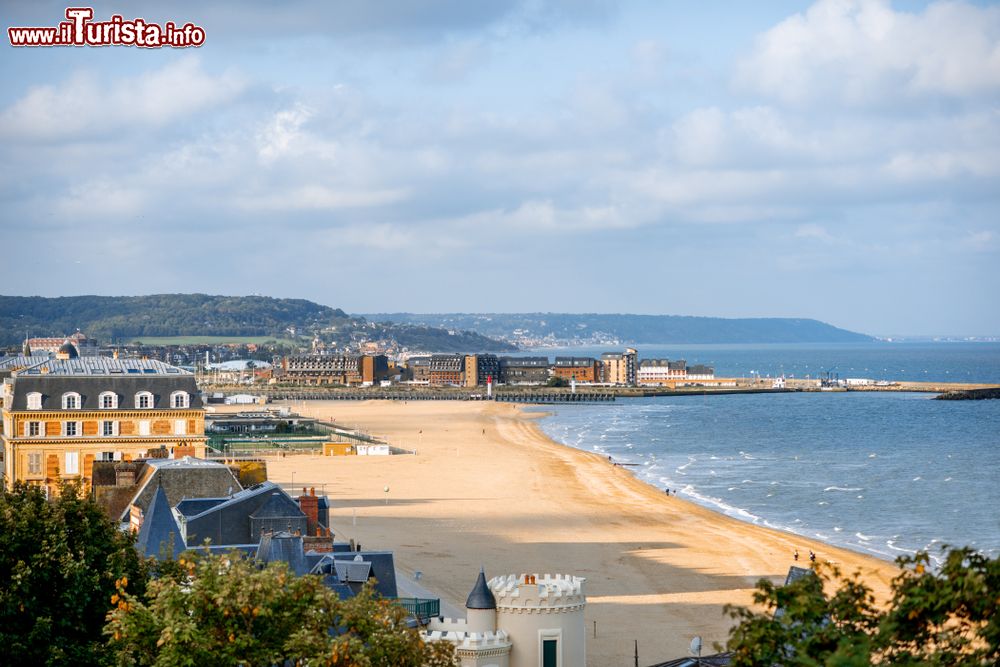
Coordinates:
(85, 105)
(282, 134)
(100, 201)
(813, 232)
(983, 240)
(863, 52)
(321, 197)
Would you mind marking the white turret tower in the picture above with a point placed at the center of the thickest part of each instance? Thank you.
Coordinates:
(543, 617)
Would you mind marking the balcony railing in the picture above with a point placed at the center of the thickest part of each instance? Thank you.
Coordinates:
(421, 608)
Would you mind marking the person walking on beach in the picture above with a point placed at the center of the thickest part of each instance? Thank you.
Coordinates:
(795, 555)
(812, 557)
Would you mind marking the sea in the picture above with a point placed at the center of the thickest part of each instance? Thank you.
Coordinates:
(885, 473)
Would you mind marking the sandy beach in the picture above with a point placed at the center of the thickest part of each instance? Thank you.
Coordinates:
(488, 488)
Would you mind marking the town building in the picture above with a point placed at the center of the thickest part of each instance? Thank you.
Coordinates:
(661, 371)
(480, 368)
(447, 370)
(580, 369)
(419, 370)
(85, 347)
(525, 370)
(63, 414)
(344, 369)
(653, 372)
(526, 620)
(620, 368)
(237, 371)
(700, 372)
(262, 522)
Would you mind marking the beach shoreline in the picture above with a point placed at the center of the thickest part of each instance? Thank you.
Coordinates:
(487, 487)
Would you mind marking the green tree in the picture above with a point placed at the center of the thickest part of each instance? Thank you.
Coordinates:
(224, 610)
(60, 563)
(935, 618)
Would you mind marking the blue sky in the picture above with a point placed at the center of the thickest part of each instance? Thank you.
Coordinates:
(837, 159)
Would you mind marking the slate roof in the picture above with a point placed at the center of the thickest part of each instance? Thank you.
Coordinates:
(243, 517)
(481, 596)
(574, 362)
(52, 387)
(283, 546)
(354, 571)
(525, 362)
(192, 506)
(103, 366)
(343, 571)
(21, 361)
(186, 477)
(159, 532)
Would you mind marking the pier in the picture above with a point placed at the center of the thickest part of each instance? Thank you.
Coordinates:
(554, 397)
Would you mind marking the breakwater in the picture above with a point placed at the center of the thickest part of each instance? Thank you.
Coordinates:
(587, 394)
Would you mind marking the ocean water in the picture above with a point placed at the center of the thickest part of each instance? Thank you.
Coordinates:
(913, 362)
(883, 473)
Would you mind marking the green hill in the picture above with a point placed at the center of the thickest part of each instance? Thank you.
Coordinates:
(125, 318)
(569, 328)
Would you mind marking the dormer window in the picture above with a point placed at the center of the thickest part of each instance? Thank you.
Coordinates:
(34, 400)
(108, 400)
(180, 399)
(143, 400)
(71, 401)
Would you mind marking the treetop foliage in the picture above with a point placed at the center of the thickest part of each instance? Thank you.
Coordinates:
(947, 617)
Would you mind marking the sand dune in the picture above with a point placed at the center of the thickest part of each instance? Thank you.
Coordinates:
(487, 487)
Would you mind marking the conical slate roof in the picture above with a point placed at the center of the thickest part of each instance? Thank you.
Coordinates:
(159, 529)
(481, 596)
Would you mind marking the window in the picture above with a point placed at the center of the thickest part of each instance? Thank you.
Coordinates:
(109, 428)
(35, 429)
(180, 399)
(72, 463)
(143, 400)
(71, 401)
(34, 463)
(180, 427)
(34, 400)
(144, 427)
(106, 456)
(71, 429)
(109, 400)
(550, 652)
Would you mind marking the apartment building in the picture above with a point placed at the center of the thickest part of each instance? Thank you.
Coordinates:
(63, 414)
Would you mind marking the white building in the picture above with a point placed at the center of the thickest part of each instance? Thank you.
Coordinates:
(528, 620)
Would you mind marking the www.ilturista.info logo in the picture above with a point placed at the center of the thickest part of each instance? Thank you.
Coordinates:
(80, 30)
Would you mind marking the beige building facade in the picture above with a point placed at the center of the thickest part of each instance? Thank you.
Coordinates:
(62, 415)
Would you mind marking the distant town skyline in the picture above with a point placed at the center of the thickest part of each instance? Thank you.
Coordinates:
(835, 160)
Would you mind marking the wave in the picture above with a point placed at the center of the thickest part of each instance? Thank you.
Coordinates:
(843, 488)
(730, 510)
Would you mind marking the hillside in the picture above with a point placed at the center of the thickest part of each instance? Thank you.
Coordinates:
(123, 318)
(590, 328)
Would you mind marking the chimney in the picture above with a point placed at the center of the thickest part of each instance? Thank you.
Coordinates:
(309, 504)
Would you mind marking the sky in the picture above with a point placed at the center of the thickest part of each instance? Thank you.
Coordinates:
(837, 159)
